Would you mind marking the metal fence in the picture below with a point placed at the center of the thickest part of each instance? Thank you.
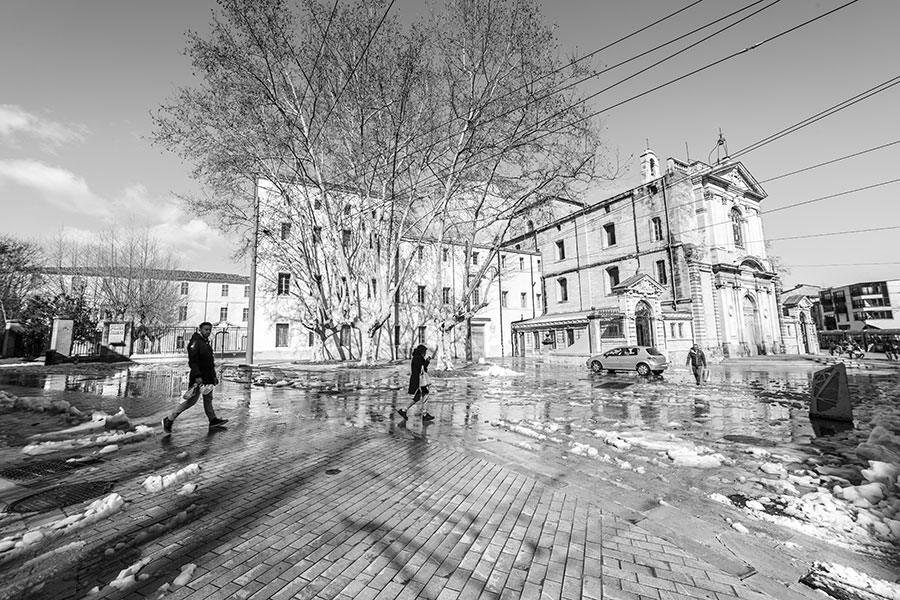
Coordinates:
(227, 339)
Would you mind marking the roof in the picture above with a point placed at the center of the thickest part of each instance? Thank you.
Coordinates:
(882, 324)
(159, 274)
(570, 318)
(804, 289)
(793, 299)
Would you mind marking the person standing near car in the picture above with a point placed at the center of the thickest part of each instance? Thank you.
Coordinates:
(696, 358)
(202, 377)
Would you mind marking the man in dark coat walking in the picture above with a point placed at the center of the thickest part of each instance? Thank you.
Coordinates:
(697, 359)
(203, 379)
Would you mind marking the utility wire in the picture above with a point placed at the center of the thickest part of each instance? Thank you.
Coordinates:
(832, 233)
(825, 113)
(829, 162)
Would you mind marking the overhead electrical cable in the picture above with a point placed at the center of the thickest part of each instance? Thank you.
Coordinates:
(829, 162)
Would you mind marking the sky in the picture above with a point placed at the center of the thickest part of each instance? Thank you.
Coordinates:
(80, 80)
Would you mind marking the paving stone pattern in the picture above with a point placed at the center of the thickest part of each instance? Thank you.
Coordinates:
(404, 518)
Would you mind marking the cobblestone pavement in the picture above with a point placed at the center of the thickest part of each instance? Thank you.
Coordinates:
(299, 503)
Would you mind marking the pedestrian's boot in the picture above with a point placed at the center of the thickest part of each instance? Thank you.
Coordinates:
(427, 417)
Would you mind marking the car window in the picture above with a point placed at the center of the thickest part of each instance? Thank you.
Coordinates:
(654, 352)
(632, 351)
(613, 352)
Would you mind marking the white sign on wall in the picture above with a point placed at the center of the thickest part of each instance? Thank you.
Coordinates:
(116, 334)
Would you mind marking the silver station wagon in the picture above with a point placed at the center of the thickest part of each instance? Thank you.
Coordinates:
(643, 359)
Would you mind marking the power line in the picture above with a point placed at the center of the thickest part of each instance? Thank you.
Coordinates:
(829, 162)
(832, 233)
(885, 85)
(860, 189)
(862, 264)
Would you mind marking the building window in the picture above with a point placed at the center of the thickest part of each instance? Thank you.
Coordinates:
(223, 314)
(504, 299)
(445, 255)
(661, 272)
(570, 337)
(445, 295)
(317, 235)
(224, 290)
(373, 289)
(281, 335)
(561, 250)
(476, 296)
(502, 261)
(737, 227)
(345, 238)
(420, 294)
(420, 253)
(284, 284)
(285, 231)
(246, 291)
(537, 300)
(521, 264)
(609, 231)
(562, 290)
(184, 288)
(245, 314)
(311, 339)
(179, 342)
(656, 230)
(396, 335)
(612, 276)
(182, 313)
(474, 258)
(317, 203)
(421, 334)
(523, 300)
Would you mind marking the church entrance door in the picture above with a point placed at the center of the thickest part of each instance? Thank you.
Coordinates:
(751, 326)
(643, 322)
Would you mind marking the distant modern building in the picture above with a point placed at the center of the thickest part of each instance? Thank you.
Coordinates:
(679, 259)
(867, 305)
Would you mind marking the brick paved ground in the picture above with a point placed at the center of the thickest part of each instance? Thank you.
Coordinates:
(291, 506)
(404, 518)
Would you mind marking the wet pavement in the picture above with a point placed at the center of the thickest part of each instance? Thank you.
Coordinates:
(319, 490)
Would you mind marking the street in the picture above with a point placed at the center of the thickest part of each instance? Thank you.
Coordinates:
(535, 480)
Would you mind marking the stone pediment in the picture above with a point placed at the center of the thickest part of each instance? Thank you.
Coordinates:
(737, 175)
(639, 284)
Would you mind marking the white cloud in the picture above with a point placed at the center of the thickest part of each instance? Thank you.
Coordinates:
(61, 188)
(14, 121)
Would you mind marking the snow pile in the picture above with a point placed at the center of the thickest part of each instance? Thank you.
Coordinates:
(126, 577)
(844, 582)
(690, 457)
(498, 371)
(140, 432)
(38, 404)
(157, 483)
(98, 509)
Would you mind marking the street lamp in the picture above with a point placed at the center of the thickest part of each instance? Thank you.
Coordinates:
(251, 314)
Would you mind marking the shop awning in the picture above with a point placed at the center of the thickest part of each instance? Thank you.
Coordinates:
(565, 319)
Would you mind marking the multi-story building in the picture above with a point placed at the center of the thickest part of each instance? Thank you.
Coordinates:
(222, 299)
(297, 253)
(679, 259)
(867, 305)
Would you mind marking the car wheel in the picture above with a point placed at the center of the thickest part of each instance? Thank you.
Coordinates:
(596, 367)
(643, 369)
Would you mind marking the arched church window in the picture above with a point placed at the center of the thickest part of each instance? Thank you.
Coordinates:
(737, 224)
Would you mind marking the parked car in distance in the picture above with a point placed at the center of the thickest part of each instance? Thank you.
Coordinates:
(643, 359)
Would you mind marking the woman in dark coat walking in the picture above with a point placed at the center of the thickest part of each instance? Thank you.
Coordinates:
(417, 368)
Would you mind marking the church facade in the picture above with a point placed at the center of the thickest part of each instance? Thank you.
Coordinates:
(677, 260)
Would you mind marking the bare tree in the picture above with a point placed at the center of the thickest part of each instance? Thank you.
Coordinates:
(18, 275)
(131, 275)
(371, 139)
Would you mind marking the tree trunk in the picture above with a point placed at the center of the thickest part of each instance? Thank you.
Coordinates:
(444, 362)
(369, 351)
(469, 357)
